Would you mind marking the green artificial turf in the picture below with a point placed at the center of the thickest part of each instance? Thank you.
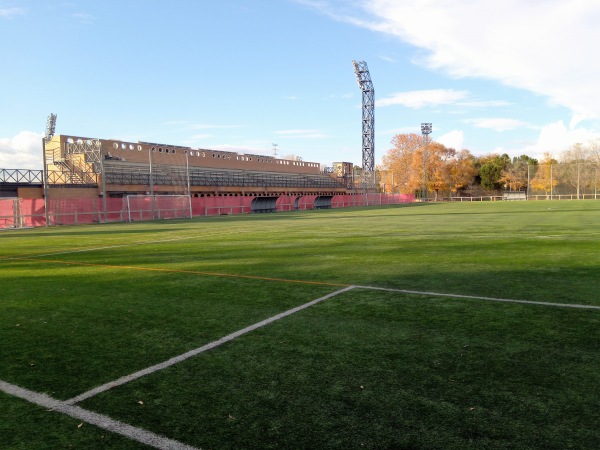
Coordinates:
(74, 328)
(381, 370)
(81, 306)
(24, 426)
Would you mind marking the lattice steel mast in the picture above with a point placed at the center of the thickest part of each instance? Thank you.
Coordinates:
(368, 117)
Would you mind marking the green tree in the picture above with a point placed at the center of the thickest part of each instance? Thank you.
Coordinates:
(490, 172)
(515, 173)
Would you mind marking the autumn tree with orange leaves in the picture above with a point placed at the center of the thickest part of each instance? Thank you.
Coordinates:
(442, 169)
(398, 160)
(544, 180)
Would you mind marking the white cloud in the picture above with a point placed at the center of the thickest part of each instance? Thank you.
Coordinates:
(201, 126)
(485, 104)
(23, 151)
(555, 138)
(342, 96)
(497, 124)
(387, 58)
(419, 99)
(301, 134)
(546, 47)
(454, 139)
(9, 13)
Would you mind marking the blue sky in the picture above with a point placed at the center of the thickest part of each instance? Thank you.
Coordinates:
(493, 76)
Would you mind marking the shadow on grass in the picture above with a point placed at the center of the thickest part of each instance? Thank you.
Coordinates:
(78, 327)
(377, 370)
(364, 370)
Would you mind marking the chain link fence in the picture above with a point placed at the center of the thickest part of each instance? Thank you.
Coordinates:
(576, 180)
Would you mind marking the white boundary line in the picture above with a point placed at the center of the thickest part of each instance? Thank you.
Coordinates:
(177, 359)
(476, 297)
(197, 351)
(126, 244)
(99, 420)
(67, 407)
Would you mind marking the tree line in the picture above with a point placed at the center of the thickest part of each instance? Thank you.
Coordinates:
(431, 169)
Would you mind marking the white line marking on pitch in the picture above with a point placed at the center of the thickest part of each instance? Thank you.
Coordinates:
(197, 351)
(159, 241)
(99, 420)
(475, 297)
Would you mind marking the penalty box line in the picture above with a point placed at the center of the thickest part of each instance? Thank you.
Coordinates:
(477, 297)
(321, 283)
(99, 420)
(177, 359)
(192, 272)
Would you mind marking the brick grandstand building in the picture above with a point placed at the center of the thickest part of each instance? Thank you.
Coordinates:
(90, 168)
(88, 180)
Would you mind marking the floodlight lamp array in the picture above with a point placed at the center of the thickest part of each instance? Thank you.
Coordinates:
(363, 77)
(357, 72)
(50, 127)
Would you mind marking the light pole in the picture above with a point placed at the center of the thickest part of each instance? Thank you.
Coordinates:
(151, 180)
(50, 129)
(528, 181)
(596, 183)
(45, 175)
(187, 172)
(551, 182)
(426, 129)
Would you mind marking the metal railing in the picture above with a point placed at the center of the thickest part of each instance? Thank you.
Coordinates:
(483, 198)
(21, 176)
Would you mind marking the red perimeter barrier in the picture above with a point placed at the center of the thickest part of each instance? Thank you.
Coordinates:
(33, 212)
(306, 202)
(286, 202)
(9, 213)
(15, 213)
(73, 211)
(221, 206)
(347, 201)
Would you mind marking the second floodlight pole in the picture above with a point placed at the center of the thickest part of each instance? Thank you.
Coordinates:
(426, 129)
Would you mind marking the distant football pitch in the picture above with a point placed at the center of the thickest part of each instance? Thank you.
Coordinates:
(446, 326)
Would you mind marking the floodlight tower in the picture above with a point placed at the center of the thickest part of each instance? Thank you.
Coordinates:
(368, 118)
(426, 129)
(50, 128)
